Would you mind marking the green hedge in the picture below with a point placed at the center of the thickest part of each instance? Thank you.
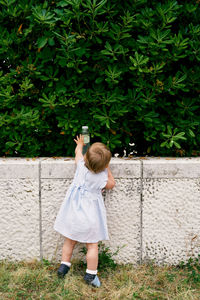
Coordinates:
(127, 69)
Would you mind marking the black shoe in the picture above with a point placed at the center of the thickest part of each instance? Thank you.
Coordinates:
(89, 277)
(62, 271)
(92, 280)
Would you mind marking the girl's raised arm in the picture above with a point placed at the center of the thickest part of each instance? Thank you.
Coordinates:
(79, 147)
(111, 181)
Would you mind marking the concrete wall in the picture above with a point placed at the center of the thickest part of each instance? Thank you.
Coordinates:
(153, 212)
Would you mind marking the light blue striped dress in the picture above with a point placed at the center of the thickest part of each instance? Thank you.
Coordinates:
(82, 215)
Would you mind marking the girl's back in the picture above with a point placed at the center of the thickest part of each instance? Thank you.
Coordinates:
(93, 182)
(82, 215)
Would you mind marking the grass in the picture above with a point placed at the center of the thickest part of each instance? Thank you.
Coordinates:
(38, 280)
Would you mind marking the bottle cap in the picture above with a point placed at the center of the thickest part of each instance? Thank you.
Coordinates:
(84, 127)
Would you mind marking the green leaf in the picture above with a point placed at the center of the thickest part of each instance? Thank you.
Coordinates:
(191, 133)
(70, 65)
(51, 42)
(180, 134)
(63, 3)
(99, 80)
(177, 145)
(169, 129)
(163, 144)
(10, 144)
(41, 42)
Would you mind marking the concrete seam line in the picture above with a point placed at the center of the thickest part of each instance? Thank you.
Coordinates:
(141, 212)
(40, 213)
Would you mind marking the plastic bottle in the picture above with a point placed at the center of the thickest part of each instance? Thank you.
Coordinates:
(86, 135)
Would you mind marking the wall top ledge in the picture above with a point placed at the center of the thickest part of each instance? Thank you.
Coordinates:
(114, 159)
(64, 167)
(172, 168)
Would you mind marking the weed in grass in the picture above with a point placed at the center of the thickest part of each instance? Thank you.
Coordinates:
(105, 259)
(135, 296)
(151, 266)
(170, 277)
(193, 269)
(46, 262)
(4, 279)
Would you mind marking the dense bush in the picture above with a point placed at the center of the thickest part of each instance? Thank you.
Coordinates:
(127, 69)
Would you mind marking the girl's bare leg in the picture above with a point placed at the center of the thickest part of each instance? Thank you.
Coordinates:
(67, 249)
(92, 256)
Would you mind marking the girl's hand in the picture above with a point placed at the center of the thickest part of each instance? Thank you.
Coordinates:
(79, 147)
(79, 140)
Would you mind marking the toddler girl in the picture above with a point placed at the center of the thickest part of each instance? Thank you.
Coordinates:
(82, 215)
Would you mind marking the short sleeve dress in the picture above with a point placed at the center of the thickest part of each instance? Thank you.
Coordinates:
(82, 215)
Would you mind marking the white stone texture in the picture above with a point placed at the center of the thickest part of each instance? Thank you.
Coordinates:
(123, 210)
(57, 168)
(171, 210)
(123, 215)
(19, 209)
(171, 167)
(167, 231)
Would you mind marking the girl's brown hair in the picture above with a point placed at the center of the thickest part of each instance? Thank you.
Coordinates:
(97, 157)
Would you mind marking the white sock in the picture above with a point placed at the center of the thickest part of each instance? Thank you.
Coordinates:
(91, 272)
(66, 263)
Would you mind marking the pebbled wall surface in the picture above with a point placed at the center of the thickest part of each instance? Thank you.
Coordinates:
(153, 213)
(171, 210)
(19, 209)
